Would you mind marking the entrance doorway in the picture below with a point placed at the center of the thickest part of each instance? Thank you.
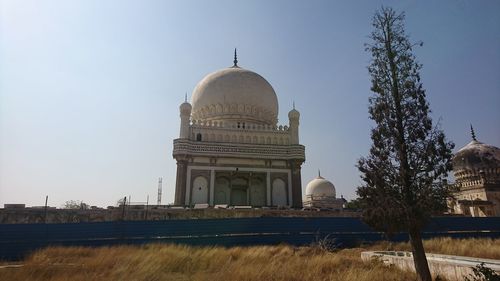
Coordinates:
(238, 197)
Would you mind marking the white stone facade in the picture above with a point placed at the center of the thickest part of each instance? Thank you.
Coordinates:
(230, 150)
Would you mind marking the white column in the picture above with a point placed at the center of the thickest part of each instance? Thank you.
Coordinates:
(248, 189)
(185, 114)
(212, 186)
(268, 188)
(290, 188)
(188, 185)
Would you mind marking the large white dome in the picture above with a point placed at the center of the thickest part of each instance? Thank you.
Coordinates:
(320, 187)
(235, 94)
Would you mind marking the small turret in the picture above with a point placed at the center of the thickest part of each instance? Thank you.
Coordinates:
(185, 114)
(293, 117)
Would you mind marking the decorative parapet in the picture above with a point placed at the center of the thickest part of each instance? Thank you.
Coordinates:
(237, 125)
(279, 152)
(474, 177)
(212, 131)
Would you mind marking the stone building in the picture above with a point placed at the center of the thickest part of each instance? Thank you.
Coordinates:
(476, 168)
(231, 150)
(321, 194)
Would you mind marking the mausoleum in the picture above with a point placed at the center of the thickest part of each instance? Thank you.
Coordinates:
(476, 168)
(231, 149)
(321, 194)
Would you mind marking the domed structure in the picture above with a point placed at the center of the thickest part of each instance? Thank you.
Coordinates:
(477, 156)
(476, 161)
(320, 194)
(320, 187)
(476, 168)
(235, 94)
(230, 149)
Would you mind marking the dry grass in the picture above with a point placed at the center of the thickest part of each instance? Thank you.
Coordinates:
(471, 247)
(175, 262)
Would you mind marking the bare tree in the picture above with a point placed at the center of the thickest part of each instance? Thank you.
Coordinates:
(76, 204)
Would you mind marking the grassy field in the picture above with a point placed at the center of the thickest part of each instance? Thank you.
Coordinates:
(174, 262)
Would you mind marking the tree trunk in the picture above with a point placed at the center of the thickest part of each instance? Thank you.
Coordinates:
(419, 259)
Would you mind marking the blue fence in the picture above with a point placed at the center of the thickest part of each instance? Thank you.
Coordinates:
(18, 240)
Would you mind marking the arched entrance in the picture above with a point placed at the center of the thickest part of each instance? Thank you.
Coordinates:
(200, 190)
(222, 190)
(279, 193)
(239, 188)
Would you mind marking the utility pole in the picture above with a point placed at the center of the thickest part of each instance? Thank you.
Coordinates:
(159, 191)
(147, 206)
(123, 209)
(46, 200)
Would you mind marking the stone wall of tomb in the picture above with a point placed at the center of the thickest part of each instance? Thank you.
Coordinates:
(152, 212)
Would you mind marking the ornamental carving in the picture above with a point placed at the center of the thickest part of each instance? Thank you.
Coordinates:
(234, 111)
(194, 148)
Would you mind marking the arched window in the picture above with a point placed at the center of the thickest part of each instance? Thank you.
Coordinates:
(198, 137)
(279, 194)
(199, 190)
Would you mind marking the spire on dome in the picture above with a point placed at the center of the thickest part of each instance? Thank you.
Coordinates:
(235, 61)
(319, 173)
(472, 133)
(293, 104)
(186, 97)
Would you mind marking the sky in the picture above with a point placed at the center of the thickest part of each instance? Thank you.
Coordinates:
(90, 90)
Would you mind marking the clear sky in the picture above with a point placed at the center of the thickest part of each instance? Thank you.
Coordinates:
(90, 90)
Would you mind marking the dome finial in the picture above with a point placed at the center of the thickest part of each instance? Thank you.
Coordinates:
(293, 104)
(186, 97)
(235, 61)
(472, 133)
(319, 173)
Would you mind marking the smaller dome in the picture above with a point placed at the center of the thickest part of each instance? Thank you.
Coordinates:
(320, 187)
(477, 156)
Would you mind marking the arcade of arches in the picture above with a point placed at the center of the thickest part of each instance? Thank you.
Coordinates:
(237, 188)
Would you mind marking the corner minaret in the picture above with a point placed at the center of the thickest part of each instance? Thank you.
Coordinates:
(185, 113)
(293, 117)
